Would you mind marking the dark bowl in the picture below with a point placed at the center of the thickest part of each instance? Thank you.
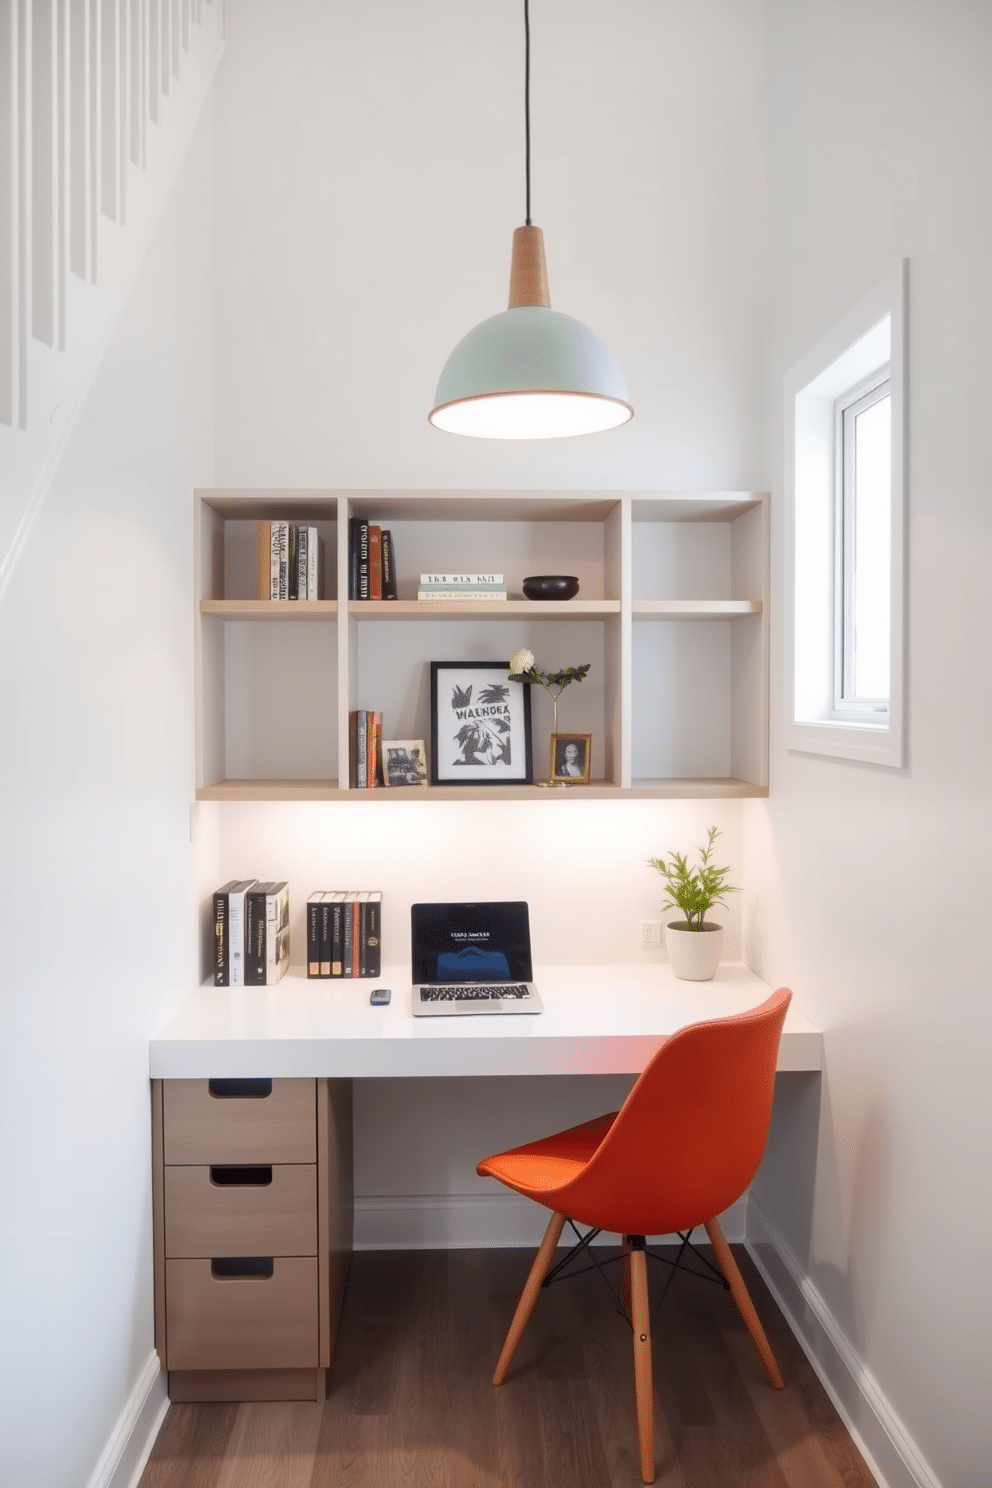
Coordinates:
(551, 586)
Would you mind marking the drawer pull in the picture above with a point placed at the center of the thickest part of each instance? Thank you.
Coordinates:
(245, 1175)
(260, 1267)
(239, 1089)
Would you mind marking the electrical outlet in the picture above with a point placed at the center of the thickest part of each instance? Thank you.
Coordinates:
(650, 933)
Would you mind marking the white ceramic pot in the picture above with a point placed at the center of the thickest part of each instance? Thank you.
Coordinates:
(694, 954)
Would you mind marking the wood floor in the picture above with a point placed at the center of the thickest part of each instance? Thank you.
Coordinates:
(411, 1402)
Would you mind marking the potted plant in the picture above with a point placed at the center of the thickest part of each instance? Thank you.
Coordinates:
(694, 944)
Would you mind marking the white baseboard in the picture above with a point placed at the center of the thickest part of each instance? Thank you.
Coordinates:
(129, 1445)
(878, 1431)
(469, 1221)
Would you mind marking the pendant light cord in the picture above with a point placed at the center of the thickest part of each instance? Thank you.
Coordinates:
(527, 100)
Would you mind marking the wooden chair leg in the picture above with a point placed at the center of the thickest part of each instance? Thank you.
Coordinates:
(643, 1386)
(625, 1276)
(745, 1306)
(529, 1295)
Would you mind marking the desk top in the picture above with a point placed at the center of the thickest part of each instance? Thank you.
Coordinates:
(597, 1020)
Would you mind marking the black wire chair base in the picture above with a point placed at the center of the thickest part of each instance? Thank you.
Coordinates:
(564, 1270)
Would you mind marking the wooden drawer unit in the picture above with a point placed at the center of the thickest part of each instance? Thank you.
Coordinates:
(263, 1321)
(252, 1184)
(255, 1210)
(240, 1121)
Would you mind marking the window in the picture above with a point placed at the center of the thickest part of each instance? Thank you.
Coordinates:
(862, 550)
(844, 487)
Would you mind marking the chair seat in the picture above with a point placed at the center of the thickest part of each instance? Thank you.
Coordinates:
(538, 1169)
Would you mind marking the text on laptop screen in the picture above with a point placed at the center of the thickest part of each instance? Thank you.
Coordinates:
(486, 942)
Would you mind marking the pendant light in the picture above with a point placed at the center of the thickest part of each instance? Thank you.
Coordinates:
(530, 372)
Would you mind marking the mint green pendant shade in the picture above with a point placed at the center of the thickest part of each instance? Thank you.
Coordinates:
(530, 372)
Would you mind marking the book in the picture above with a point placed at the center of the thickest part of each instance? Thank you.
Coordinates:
(255, 936)
(293, 562)
(358, 558)
(276, 932)
(361, 748)
(315, 906)
(279, 561)
(324, 935)
(315, 563)
(373, 772)
(264, 560)
(302, 567)
(375, 562)
(229, 932)
(447, 579)
(442, 595)
(347, 935)
(370, 960)
(389, 590)
(355, 906)
(337, 933)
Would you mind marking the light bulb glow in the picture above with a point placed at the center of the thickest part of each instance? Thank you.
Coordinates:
(537, 415)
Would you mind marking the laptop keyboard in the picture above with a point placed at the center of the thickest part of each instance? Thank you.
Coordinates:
(474, 992)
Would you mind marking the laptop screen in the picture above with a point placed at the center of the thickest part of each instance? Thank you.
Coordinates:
(471, 942)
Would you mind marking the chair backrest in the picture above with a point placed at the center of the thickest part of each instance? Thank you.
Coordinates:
(690, 1136)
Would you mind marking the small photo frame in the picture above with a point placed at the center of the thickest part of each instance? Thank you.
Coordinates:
(404, 762)
(480, 725)
(571, 757)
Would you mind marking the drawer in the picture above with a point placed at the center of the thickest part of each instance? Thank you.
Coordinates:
(258, 1210)
(240, 1121)
(242, 1322)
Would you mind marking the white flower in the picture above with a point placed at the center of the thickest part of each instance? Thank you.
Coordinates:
(522, 660)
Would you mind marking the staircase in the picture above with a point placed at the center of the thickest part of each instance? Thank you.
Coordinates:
(98, 99)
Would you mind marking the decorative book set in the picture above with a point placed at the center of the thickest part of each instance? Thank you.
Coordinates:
(344, 933)
(251, 933)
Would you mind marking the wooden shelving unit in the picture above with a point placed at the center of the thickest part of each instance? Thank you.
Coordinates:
(671, 614)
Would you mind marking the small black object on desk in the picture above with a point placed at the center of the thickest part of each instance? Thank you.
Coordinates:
(551, 586)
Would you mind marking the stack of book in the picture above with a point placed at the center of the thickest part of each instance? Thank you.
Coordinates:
(344, 933)
(364, 749)
(371, 561)
(251, 933)
(461, 586)
(290, 561)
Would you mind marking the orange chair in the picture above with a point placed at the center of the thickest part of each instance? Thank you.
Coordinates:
(684, 1146)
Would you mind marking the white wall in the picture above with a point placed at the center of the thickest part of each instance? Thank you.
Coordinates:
(370, 174)
(869, 887)
(97, 867)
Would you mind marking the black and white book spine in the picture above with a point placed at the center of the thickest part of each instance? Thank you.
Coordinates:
(314, 907)
(371, 919)
(347, 938)
(276, 933)
(221, 940)
(279, 571)
(389, 590)
(255, 935)
(302, 567)
(325, 934)
(360, 557)
(293, 562)
(337, 934)
(236, 932)
(448, 579)
(314, 565)
(361, 748)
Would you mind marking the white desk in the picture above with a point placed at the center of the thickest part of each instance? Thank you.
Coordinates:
(597, 1020)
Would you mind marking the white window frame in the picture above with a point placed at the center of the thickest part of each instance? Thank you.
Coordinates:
(873, 389)
(867, 340)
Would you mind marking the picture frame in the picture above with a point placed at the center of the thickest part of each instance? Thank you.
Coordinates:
(571, 758)
(480, 725)
(404, 762)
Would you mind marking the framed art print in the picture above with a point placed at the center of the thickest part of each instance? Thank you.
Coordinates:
(480, 725)
(571, 757)
(404, 762)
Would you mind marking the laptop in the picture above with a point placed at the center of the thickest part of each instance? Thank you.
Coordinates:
(472, 958)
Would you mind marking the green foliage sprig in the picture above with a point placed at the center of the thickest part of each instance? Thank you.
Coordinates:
(694, 892)
(522, 669)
